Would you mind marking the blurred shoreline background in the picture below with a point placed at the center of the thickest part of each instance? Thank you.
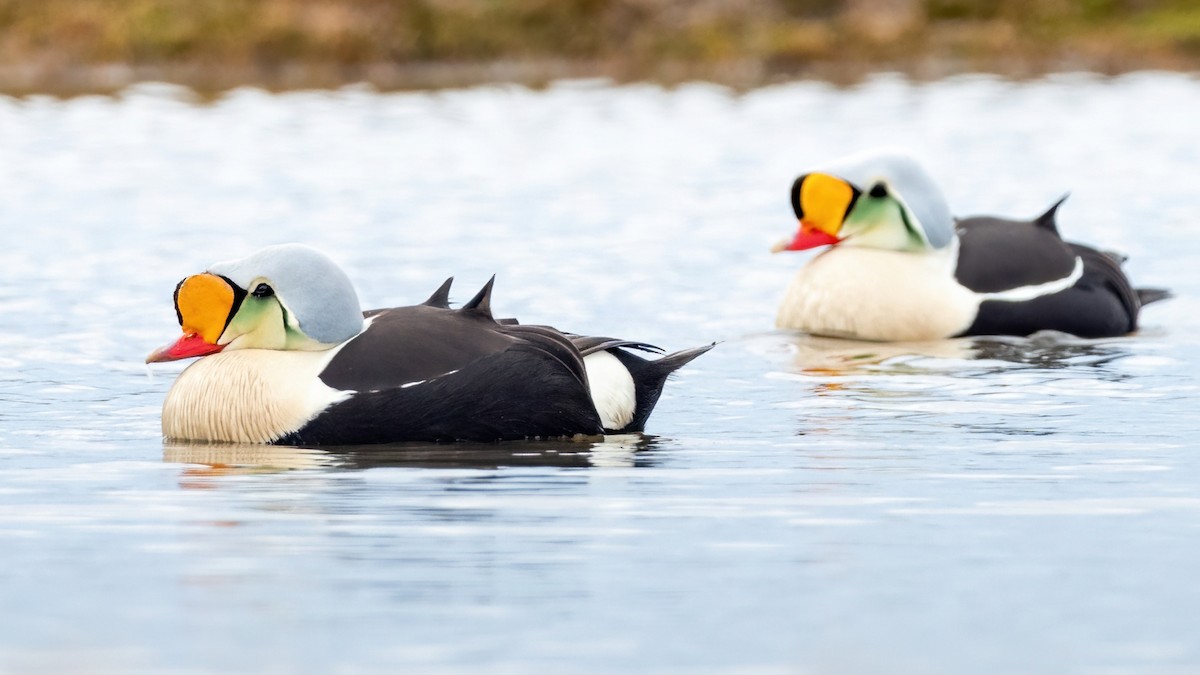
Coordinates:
(71, 47)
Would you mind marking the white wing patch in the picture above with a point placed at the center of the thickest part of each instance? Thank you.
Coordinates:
(612, 389)
(1027, 293)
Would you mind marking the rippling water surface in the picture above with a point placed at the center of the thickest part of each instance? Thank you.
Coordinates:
(800, 505)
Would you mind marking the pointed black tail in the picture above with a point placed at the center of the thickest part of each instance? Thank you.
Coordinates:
(649, 378)
(1149, 295)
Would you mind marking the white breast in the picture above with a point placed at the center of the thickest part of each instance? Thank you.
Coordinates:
(874, 294)
(612, 389)
(248, 395)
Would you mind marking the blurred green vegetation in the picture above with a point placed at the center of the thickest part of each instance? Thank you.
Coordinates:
(57, 43)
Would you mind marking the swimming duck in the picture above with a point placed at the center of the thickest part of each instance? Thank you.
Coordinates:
(900, 267)
(288, 357)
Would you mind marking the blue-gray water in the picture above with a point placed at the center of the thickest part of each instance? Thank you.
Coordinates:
(799, 505)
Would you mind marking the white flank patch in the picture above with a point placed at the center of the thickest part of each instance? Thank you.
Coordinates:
(1026, 293)
(406, 385)
(612, 389)
(248, 395)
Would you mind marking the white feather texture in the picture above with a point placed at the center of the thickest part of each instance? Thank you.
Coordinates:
(873, 294)
(248, 395)
(612, 389)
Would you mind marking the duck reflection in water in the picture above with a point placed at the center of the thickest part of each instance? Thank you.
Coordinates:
(1048, 349)
(213, 459)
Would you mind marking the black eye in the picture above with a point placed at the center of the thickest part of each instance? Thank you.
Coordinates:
(263, 291)
(878, 191)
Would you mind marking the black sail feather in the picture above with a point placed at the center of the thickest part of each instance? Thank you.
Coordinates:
(441, 297)
(481, 304)
(1047, 220)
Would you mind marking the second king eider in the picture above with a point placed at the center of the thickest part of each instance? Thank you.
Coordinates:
(287, 356)
(899, 267)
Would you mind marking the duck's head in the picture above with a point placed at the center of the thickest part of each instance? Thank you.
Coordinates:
(282, 297)
(881, 200)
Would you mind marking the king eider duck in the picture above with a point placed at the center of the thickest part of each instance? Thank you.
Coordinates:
(901, 268)
(288, 357)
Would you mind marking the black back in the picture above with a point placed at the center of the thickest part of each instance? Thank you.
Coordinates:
(517, 393)
(408, 344)
(431, 373)
(1096, 306)
(996, 254)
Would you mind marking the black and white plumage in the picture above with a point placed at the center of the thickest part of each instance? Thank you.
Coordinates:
(419, 373)
(901, 268)
(1084, 290)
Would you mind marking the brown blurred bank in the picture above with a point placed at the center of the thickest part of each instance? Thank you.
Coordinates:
(77, 46)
